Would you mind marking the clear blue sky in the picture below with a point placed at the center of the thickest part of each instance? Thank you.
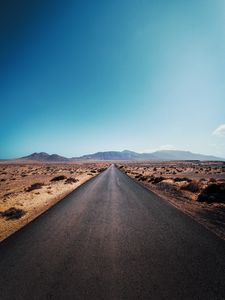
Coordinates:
(78, 77)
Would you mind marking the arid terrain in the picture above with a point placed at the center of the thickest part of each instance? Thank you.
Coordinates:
(28, 189)
(197, 188)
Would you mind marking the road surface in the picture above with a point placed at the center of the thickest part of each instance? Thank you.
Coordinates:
(112, 239)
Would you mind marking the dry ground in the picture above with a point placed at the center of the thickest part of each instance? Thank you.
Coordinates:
(197, 188)
(28, 189)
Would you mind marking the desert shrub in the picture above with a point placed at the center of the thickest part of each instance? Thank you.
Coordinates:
(150, 178)
(102, 169)
(138, 176)
(156, 180)
(34, 186)
(193, 186)
(178, 179)
(71, 180)
(142, 178)
(212, 180)
(58, 178)
(93, 171)
(214, 192)
(154, 169)
(13, 213)
(8, 194)
(3, 179)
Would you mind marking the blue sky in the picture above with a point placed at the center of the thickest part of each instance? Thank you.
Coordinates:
(78, 77)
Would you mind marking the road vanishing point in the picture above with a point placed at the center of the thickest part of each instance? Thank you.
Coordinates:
(112, 239)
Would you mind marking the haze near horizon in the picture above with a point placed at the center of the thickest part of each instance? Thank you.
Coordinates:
(80, 77)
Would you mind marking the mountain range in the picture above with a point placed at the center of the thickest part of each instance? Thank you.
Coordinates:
(123, 155)
(43, 156)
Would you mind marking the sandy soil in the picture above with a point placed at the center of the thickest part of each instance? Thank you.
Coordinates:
(27, 189)
(183, 184)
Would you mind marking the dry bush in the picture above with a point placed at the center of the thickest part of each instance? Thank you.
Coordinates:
(58, 178)
(71, 180)
(34, 186)
(178, 179)
(156, 180)
(8, 194)
(102, 169)
(142, 178)
(214, 192)
(13, 213)
(193, 186)
(212, 180)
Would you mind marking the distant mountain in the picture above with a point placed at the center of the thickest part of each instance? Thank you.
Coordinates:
(123, 155)
(157, 155)
(111, 155)
(43, 156)
(182, 155)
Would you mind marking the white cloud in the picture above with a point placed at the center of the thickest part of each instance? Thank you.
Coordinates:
(220, 131)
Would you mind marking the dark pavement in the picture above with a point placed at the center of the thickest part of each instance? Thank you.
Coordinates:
(112, 239)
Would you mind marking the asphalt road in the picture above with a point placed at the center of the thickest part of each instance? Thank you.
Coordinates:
(112, 239)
